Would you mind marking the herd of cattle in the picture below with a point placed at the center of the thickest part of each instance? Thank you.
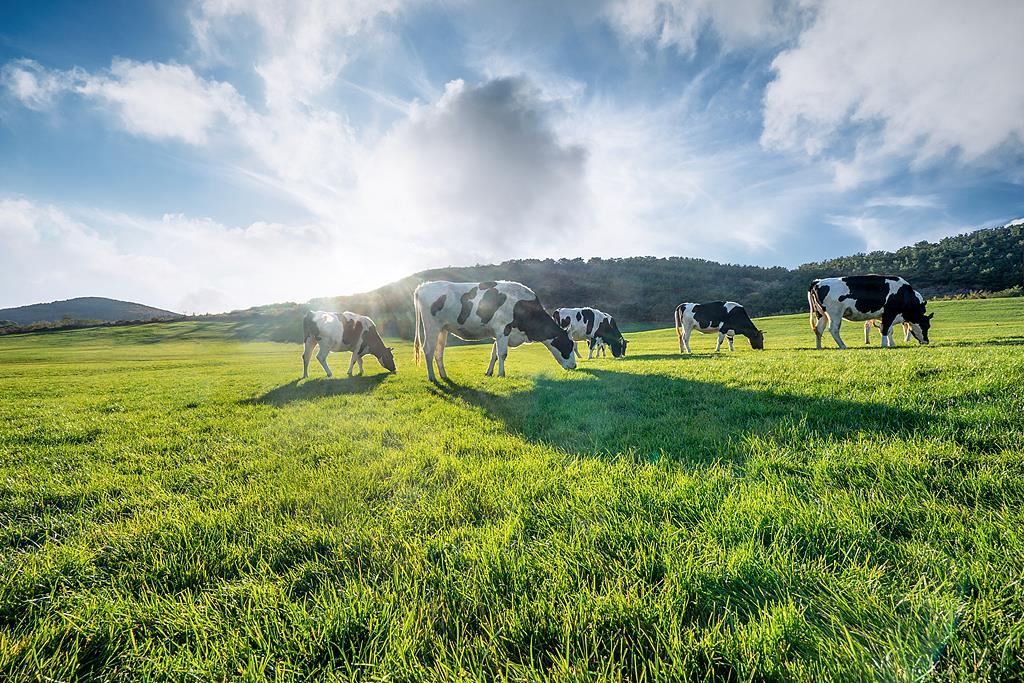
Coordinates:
(510, 314)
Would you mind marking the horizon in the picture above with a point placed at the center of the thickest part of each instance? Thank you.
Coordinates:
(194, 157)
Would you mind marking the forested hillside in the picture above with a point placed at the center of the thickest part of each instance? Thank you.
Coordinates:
(647, 289)
(984, 260)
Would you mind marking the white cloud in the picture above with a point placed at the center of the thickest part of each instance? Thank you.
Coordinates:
(679, 23)
(304, 45)
(163, 100)
(914, 80)
(878, 233)
(33, 85)
(177, 262)
(160, 101)
(910, 201)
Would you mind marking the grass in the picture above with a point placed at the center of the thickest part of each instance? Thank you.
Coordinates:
(175, 505)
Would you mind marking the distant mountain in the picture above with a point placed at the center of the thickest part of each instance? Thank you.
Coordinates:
(83, 308)
(647, 289)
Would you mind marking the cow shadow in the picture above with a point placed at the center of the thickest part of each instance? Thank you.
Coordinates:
(314, 389)
(655, 356)
(648, 417)
(995, 341)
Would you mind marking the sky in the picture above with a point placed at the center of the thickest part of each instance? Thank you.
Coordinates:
(216, 154)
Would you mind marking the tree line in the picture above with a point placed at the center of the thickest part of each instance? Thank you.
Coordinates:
(647, 289)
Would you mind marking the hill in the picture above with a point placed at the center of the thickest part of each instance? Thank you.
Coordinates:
(93, 308)
(647, 289)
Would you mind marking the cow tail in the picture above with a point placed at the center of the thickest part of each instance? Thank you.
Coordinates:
(814, 304)
(679, 322)
(417, 345)
(308, 327)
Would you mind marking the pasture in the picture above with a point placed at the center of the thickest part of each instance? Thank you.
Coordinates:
(174, 504)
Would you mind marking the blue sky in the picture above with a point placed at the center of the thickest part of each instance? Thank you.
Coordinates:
(216, 154)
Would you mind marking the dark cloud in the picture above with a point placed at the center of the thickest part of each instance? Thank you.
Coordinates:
(487, 159)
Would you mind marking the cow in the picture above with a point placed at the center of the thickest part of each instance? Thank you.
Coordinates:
(868, 324)
(507, 312)
(590, 324)
(727, 318)
(343, 332)
(865, 298)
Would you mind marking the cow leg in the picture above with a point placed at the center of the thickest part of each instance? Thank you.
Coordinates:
(576, 349)
(867, 332)
(887, 323)
(322, 357)
(359, 360)
(429, 342)
(501, 348)
(686, 339)
(906, 333)
(442, 340)
(603, 350)
(307, 353)
(730, 338)
(494, 359)
(833, 327)
(591, 344)
(819, 330)
(352, 362)
(721, 337)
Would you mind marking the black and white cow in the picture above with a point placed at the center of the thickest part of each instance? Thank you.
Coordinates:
(507, 312)
(590, 324)
(343, 332)
(867, 297)
(727, 318)
(868, 324)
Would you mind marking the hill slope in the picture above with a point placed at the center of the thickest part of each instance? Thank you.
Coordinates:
(647, 289)
(83, 308)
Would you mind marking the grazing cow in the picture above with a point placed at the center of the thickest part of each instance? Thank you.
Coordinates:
(867, 297)
(727, 318)
(507, 312)
(343, 332)
(590, 324)
(868, 324)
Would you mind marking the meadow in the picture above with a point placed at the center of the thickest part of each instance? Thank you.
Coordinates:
(175, 504)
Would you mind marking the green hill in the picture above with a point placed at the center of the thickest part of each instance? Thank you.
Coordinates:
(93, 308)
(647, 289)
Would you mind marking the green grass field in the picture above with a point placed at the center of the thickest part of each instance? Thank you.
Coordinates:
(176, 505)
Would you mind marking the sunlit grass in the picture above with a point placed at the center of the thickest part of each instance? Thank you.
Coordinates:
(175, 504)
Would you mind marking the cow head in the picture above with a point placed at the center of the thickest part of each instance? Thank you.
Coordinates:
(530, 318)
(617, 344)
(561, 347)
(920, 328)
(609, 333)
(756, 339)
(384, 354)
(387, 358)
